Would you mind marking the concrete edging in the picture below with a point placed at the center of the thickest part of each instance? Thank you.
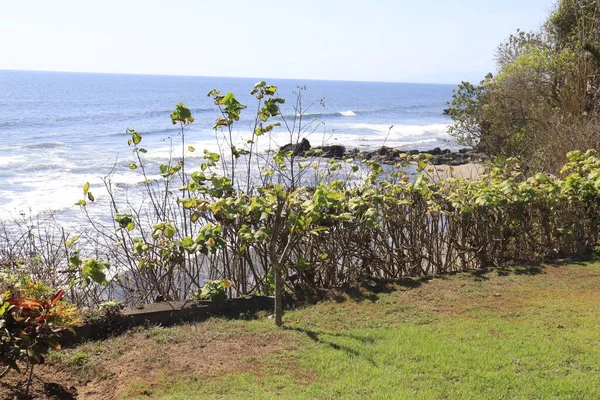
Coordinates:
(165, 314)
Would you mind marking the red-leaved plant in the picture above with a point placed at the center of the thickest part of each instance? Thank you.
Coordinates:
(32, 319)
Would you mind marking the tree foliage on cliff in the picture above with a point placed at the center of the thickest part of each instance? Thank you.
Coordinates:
(545, 99)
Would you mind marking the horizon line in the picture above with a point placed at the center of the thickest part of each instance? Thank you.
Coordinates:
(222, 76)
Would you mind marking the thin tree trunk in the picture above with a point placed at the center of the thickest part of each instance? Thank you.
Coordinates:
(278, 293)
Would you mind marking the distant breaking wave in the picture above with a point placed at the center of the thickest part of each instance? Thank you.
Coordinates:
(150, 132)
(44, 145)
(348, 113)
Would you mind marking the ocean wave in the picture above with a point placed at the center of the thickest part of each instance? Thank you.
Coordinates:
(348, 113)
(396, 130)
(44, 145)
(10, 123)
(96, 117)
(167, 113)
(153, 132)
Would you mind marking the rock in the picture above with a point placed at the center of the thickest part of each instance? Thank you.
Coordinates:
(335, 151)
(434, 152)
(440, 160)
(365, 156)
(297, 149)
(384, 151)
(386, 155)
(354, 152)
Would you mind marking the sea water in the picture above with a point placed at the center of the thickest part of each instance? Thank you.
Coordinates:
(61, 130)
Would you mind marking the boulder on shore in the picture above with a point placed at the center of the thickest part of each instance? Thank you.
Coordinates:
(334, 151)
(297, 149)
(434, 152)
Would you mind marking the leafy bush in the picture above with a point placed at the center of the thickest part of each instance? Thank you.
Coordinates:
(214, 290)
(33, 316)
(545, 99)
(354, 220)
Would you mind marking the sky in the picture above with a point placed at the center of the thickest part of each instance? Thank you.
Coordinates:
(424, 41)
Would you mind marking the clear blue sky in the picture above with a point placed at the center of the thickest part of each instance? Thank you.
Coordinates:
(438, 41)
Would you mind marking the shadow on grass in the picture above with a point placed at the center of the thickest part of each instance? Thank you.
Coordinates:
(484, 274)
(317, 337)
(369, 290)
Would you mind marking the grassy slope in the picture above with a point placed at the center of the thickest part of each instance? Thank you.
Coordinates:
(518, 334)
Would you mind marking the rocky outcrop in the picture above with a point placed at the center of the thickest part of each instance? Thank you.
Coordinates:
(385, 155)
(335, 151)
(297, 149)
(388, 155)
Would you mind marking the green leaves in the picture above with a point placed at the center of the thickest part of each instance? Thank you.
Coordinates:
(230, 107)
(166, 171)
(93, 270)
(238, 152)
(4, 305)
(594, 51)
(169, 231)
(213, 290)
(86, 193)
(260, 130)
(270, 108)
(182, 114)
(136, 138)
(261, 89)
(125, 221)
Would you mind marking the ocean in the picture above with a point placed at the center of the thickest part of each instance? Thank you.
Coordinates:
(60, 130)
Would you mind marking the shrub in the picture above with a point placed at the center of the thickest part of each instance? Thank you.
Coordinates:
(284, 234)
(216, 291)
(545, 99)
(33, 316)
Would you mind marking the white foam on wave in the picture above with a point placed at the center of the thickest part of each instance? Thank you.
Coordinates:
(41, 193)
(10, 160)
(58, 188)
(372, 136)
(397, 130)
(348, 113)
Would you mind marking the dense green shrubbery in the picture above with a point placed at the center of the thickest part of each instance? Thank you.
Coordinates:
(545, 99)
(334, 233)
(282, 234)
(302, 238)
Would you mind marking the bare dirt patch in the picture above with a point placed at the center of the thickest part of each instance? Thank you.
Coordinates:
(150, 358)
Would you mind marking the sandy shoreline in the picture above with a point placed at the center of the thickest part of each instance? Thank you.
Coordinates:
(469, 171)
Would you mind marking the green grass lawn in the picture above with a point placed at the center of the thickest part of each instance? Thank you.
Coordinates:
(514, 334)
